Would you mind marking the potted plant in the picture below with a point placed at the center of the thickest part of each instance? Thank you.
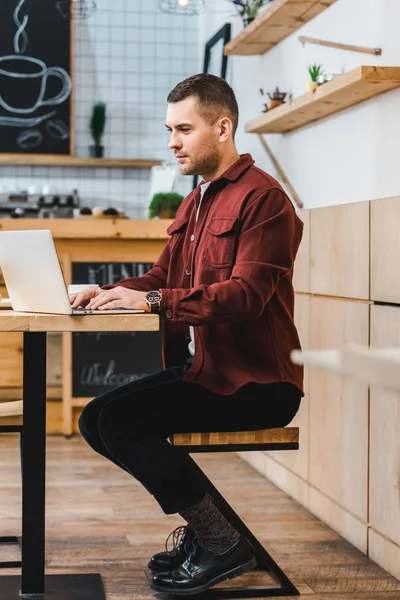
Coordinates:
(248, 9)
(164, 205)
(97, 124)
(314, 71)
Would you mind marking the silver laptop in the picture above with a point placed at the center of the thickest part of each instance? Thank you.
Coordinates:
(33, 276)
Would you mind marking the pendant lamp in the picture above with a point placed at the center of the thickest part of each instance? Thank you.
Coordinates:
(76, 9)
(182, 7)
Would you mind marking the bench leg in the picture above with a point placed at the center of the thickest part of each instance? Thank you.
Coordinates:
(265, 561)
(10, 539)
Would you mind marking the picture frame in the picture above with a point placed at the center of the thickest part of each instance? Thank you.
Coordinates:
(215, 59)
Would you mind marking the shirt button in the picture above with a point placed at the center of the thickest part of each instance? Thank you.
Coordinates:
(188, 271)
(192, 237)
(168, 313)
(187, 336)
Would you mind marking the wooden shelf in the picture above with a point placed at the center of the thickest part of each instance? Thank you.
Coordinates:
(346, 90)
(279, 20)
(47, 160)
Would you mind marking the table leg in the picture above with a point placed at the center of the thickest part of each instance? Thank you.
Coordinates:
(33, 457)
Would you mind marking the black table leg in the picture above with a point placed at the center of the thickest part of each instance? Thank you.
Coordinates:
(33, 458)
(33, 584)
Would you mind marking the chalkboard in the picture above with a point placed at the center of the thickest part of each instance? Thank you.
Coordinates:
(102, 361)
(35, 77)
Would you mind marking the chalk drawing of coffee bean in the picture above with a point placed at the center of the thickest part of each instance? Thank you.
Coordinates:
(29, 139)
(57, 129)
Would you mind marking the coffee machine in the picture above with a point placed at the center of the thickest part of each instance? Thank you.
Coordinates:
(43, 206)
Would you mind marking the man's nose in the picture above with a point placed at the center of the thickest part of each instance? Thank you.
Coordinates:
(174, 142)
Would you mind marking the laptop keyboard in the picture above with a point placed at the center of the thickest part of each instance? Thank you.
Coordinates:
(81, 310)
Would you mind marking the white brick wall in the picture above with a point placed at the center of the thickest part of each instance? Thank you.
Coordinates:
(128, 54)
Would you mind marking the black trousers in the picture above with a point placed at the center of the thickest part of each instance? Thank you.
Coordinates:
(130, 426)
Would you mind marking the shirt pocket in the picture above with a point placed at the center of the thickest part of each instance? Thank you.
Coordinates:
(177, 231)
(220, 242)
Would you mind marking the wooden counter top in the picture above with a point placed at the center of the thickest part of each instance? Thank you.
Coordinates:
(94, 228)
(20, 321)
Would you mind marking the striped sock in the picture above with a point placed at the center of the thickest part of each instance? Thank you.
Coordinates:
(213, 531)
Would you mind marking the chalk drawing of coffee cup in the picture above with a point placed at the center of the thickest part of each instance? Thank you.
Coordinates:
(23, 81)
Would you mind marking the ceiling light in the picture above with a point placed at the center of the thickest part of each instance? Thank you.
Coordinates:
(182, 7)
(76, 9)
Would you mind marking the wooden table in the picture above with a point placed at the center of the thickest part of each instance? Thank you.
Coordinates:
(33, 582)
(104, 244)
(374, 366)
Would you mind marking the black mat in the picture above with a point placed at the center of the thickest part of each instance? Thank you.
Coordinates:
(88, 586)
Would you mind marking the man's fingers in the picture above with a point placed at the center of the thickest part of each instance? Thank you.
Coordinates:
(81, 299)
(101, 299)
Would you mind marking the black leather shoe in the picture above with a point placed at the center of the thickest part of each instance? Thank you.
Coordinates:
(203, 569)
(169, 560)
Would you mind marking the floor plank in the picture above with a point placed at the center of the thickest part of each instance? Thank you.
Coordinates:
(99, 519)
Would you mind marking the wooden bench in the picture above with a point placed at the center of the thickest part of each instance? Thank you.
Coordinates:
(11, 422)
(284, 438)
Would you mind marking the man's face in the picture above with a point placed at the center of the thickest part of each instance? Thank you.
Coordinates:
(193, 140)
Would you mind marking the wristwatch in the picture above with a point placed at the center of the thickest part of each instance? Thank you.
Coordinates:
(153, 299)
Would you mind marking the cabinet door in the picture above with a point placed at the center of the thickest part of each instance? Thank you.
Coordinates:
(298, 462)
(339, 409)
(339, 250)
(385, 273)
(384, 492)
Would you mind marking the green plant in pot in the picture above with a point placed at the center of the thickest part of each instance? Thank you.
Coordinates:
(164, 205)
(314, 71)
(249, 9)
(97, 124)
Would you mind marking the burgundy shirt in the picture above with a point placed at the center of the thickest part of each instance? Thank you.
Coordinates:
(229, 275)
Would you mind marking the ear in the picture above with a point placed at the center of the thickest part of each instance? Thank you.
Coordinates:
(225, 129)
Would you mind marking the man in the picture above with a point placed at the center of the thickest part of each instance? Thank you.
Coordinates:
(223, 289)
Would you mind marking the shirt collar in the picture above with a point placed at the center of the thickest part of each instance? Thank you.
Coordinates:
(234, 171)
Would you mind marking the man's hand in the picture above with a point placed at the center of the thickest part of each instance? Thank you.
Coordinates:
(118, 297)
(82, 298)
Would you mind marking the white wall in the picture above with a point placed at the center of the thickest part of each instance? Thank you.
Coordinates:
(130, 55)
(351, 156)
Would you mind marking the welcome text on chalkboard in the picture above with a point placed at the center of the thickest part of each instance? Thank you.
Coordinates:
(102, 361)
(35, 78)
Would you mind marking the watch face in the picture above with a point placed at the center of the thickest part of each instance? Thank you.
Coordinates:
(153, 297)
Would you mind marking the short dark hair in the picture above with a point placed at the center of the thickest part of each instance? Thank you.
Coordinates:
(214, 95)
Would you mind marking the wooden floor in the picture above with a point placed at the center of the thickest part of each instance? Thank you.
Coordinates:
(101, 520)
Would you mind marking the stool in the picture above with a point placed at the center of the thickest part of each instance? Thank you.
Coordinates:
(283, 438)
(11, 422)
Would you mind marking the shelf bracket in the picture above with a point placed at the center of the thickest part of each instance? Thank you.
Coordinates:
(309, 40)
(280, 172)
